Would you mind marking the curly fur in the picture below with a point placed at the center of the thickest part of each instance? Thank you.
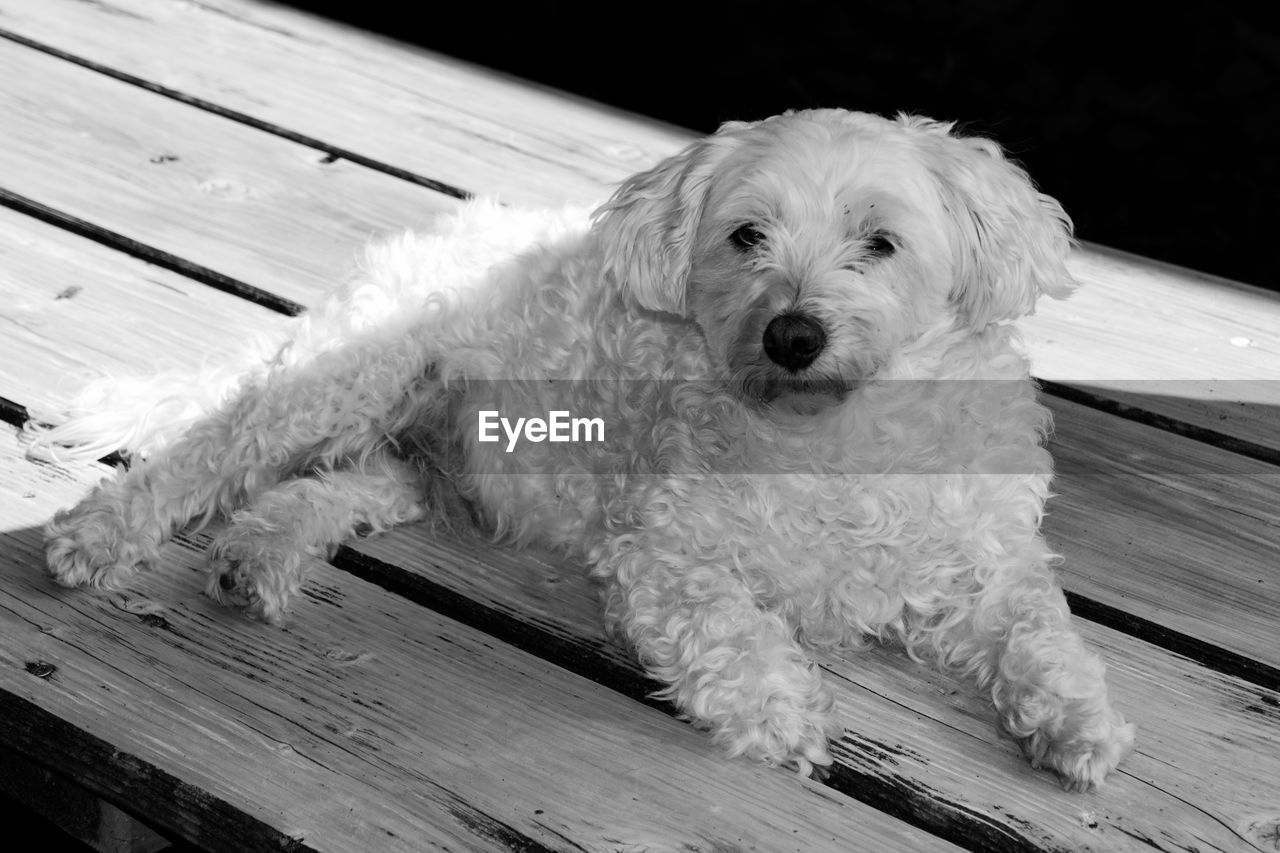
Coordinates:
(759, 495)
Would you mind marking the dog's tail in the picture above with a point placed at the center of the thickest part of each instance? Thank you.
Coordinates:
(134, 415)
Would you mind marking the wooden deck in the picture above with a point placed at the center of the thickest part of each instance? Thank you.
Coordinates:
(177, 176)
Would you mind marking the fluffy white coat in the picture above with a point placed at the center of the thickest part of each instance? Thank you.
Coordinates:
(871, 467)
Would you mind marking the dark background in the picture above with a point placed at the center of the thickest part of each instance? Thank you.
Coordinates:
(1156, 125)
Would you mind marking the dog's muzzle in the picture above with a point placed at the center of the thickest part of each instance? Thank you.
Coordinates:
(794, 341)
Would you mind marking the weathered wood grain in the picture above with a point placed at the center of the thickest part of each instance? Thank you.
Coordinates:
(1138, 331)
(1168, 529)
(244, 203)
(72, 311)
(369, 723)
(1201, 762)
(427, 114)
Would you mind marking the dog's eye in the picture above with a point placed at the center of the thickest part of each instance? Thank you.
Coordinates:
(746, 237)
(879, 244)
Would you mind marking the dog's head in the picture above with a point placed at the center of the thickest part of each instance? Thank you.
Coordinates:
(810, 246)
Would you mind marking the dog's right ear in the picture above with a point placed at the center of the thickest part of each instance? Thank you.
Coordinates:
(647, 228)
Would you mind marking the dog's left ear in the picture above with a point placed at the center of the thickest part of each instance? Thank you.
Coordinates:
(647, 228)
(1012, 241)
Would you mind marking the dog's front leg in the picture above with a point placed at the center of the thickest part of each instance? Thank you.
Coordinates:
(728, 663)
(1048, 687)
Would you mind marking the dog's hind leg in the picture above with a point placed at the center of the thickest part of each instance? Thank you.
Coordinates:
(258, 561)
(342, 406)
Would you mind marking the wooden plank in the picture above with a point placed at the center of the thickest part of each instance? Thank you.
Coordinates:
(1134, 320)
(1184, 345)
(249, 205)
(1200, 778)
(450, 121)
(1168, 529)
(1205, 741)
(369, 723)
(74, 311)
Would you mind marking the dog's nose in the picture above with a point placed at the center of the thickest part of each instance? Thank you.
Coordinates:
(794, 341)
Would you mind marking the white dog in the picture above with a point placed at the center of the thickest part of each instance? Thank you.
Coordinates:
(817, 427)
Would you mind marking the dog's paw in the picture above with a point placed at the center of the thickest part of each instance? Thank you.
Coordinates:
(790, 729)
(1082, 752)
(255, 570)
(93, 544)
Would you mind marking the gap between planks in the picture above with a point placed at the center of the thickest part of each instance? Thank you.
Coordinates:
(220, 196)
(334, 153)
